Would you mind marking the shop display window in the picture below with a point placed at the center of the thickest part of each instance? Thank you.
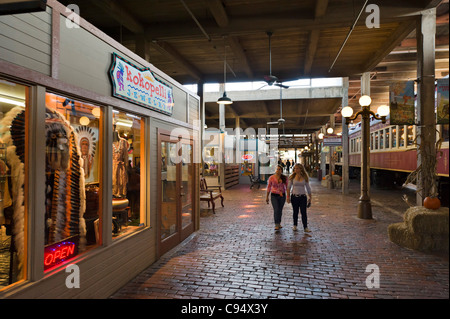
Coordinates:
(13, 181)
(72, 183)
(128, 141)
(211, 158)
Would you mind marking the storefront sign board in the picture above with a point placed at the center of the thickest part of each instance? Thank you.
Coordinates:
(139, 86)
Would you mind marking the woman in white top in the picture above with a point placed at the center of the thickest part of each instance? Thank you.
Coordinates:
(298, 188)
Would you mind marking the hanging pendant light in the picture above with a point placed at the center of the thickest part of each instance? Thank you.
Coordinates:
(224, 99)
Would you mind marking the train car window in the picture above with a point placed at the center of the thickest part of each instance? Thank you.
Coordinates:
(358, 144)
(375, 140)
(371, 141)
(394, 137)
(401, 142)
(445, 132)
(387, 136)
(352, 145)
(381, 139)
(410, 136)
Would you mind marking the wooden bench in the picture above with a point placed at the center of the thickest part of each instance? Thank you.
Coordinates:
(210, 194)
(254, 181)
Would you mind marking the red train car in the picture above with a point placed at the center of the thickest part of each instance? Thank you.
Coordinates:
(393, 154)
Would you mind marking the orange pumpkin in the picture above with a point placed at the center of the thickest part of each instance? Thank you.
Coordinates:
(431, 203)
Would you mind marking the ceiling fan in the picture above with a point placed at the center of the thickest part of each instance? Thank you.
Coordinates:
(281, 120)
(271, 79)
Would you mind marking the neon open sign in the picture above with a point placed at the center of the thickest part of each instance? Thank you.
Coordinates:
(60, 252)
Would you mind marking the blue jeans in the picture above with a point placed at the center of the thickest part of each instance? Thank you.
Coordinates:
(299, 202)
(277, 204)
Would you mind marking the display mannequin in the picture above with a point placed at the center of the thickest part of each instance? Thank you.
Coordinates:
(120, 162)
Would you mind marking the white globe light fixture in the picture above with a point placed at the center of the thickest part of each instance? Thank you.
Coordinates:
(383, 110)
(365, 100)
(320, 136)
(347, 111)
(330, 130)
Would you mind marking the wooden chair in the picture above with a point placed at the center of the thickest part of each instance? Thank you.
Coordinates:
(210, 194)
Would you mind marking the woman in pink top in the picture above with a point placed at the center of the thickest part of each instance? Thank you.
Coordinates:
(276, 187)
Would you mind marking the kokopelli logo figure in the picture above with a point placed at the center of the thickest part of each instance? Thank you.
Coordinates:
(119, 76)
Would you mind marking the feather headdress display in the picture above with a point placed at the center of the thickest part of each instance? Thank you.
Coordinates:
(12, 133)
(65, 183)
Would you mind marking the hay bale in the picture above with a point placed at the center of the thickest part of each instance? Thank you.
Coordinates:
(423, 229)
(427, 221)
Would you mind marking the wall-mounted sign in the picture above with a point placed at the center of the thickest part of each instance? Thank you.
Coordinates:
(332, 140)
(247, 157)
(442, 102)
(401, 97)
(60, 252)
(139, 86)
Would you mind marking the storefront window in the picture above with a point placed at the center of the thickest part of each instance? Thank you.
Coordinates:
(72, 183)
(128, 213)
(211, 158)
(13, 157)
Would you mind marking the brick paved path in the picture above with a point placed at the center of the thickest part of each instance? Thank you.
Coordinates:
(237, 254)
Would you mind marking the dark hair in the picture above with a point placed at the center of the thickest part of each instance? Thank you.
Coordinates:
(283, 177)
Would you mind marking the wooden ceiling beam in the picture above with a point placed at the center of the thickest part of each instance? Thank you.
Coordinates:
(241, 26)
(239, 53)
(166, 49)
(118, 13)
(391, 42)
(218, 11)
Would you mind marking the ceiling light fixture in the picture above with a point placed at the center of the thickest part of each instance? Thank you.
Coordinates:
(224, 99)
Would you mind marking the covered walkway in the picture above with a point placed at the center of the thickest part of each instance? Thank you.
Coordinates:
(237, 254)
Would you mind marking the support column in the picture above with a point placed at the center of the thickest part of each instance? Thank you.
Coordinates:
(331, 165)
(200, 92)
(426, 128)
(345, 142)
(221, 164)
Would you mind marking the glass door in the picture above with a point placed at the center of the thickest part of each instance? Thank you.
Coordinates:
(176, 208)
(187, 189)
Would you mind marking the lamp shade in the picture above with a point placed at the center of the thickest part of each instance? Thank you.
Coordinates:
(320, 136)
(347, 111)
(383, 110)
(365, 100)
(330, 130)
(224, 99)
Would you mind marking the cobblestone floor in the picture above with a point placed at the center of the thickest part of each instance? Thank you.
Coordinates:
(237, 253)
